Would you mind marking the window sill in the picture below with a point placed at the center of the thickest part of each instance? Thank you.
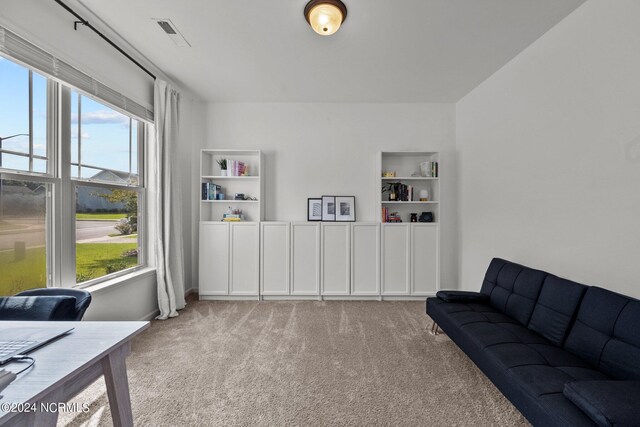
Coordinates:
(116, 282)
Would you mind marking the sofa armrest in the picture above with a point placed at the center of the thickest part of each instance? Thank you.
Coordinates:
(37, 308)
(607, 403)
(463, 297)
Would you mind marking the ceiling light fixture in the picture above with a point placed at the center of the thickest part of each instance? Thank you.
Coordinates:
(325, 16)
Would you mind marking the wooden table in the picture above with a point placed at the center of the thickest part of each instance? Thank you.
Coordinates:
(67, 366)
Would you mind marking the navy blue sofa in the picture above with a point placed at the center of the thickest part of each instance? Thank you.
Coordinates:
(563, 353)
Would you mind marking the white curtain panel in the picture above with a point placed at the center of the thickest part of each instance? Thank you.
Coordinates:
(165, 204)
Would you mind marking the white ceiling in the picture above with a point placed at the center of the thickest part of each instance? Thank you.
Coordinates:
(386, 50)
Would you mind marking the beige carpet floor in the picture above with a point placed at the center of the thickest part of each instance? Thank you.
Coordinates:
(301, 363)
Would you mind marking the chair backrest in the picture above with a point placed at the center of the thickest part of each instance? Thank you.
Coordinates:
(82, 298)
(37, 308)
(513, 288)
(607, 333)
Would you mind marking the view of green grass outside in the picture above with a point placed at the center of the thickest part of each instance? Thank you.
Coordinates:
(100, 216)
(92, 260)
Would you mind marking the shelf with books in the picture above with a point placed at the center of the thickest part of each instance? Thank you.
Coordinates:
(224, 177)
(218, 189)
(414, 188)
(230, 201)
(409, 178)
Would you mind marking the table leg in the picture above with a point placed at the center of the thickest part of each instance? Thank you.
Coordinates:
(115, 376)
(45, 418)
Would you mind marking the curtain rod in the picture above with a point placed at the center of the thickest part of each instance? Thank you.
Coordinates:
(86, 23)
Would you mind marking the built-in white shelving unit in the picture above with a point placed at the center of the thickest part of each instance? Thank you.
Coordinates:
(406, 165)
(257, 259)
(250, 185)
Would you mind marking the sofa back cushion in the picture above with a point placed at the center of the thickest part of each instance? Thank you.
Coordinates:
(607, 333)
(556, 308)
(512, 288)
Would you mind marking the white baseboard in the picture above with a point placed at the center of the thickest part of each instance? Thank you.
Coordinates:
(150, 316)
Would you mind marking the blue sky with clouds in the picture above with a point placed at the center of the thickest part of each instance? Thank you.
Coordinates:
(104, 132)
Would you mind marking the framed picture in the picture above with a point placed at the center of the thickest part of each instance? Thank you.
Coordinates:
(314, 209)
(328, 208)
(345, 208)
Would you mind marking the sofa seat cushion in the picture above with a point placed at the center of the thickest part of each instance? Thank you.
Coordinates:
(607, 403)
(461, 314)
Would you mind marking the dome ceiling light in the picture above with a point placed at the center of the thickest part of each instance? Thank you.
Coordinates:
(325, 16)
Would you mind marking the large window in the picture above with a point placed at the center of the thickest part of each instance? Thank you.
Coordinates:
(98, 177)
(104, 165)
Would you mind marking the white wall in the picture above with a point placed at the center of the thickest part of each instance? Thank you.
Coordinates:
(316, 149)
(549, 152)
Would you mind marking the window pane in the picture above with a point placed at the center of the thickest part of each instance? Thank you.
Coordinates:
(75, 110)
(106, 231)
(11, 161)
(23, 212)
(106, 143)
(39, 115)
(14, 106)
(14, 116)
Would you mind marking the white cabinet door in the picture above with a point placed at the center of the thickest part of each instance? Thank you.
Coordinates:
(395, 259)
(336, 268)
(365, 259)
(214, 258)
(424, 259)
(274, 258)
(305, 259)
(244, 277)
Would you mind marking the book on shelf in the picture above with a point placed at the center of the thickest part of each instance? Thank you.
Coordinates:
(237, 168)
(432, 170)
(233, 217)
(390, 216)
(210, 191)
(205, 191)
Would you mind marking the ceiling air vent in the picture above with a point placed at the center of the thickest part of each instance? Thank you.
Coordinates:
(170, 29)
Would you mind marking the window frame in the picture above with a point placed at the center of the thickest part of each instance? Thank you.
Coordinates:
(75, 182)
(60, 232)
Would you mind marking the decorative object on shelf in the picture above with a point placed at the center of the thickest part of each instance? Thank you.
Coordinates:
(424, 195)
(223, 166)
(325, 16)
(389, 174)
(239, 196)
(426, 217)
(345, 208)
(314, 209)
(233, 215)
(414, 217)
(429, 169)
(328, 208)
(220, 196)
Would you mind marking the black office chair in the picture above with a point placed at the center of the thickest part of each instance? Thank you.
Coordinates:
(75, 312)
